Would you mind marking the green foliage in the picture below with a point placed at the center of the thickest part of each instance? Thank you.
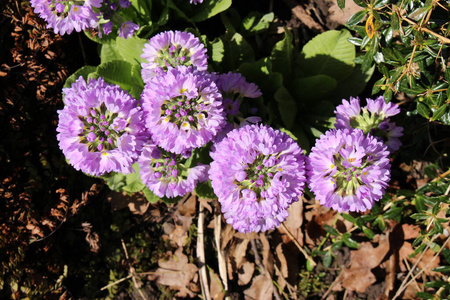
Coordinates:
(408, 47)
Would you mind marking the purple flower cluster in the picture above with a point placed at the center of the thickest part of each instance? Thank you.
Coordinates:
(348, 170)
(166, 174)
(373, 119)
(196, 1)
(68, 15)
(170, 49)
(100, 128)
(257, 173)
(183, 109)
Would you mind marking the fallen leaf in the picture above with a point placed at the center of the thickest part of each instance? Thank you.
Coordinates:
(410, 231)
(427, 263)
(294, 222)
(245, 273)
(177, 273)
(358, 277)
(261, 288)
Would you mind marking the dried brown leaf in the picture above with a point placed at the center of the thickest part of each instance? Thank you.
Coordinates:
(177, 273)
(245, 274)
(358, 277)
(261, 288)
(427, 263)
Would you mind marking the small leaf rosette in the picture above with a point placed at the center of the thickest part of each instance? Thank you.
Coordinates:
(170, 49)
(257, 173)
(183, 109)
(348, 170)
(166, 174)
(373, 119)
(100, 128)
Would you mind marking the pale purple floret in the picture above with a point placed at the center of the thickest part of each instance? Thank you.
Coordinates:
(65, 16)
(196, 1)
(100, 128)
(257, 173)
(348, 170)
(234, 89)
(183, 109)
(127, 29)
(373, 118)
(166, 175)
(171, 49)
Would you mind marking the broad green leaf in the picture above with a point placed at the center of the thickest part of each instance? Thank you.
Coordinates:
(117, 72)
(352, 85)
(133, 183)
(312, 88)
(131, 49)
(83, 71)
(217, 51)
(152, 198)
(256, 22)
(260, 73)
(210, 8)
(237, 51)
(282, 55)
(286, 106)
(341, 4)
(330, 53)
(109, 52)
(205, 190)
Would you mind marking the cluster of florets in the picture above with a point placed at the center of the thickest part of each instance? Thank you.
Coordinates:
(97, 15)
(100, 128)
(348, 168)
(256, 172)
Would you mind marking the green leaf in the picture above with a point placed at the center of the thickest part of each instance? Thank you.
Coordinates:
(369, 233)
(217, 51)
(282, 55)
(349, 218)
(131, 49)
(439, 112)
(129, 183)
(356, 18)
(312, 88)
(352, 85)
(341, 4)
(331, 230)
(210, 8)
(327, 259)
(329, 53)
(83, 71)
(152, 198)
(442, 269)
(349, 242)
(425, 295)
(117, 72)
(256, 22)
(286, 106)
(237, 51)
(260, 73)
(109, 52)
(423, 110)
(205, 190)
